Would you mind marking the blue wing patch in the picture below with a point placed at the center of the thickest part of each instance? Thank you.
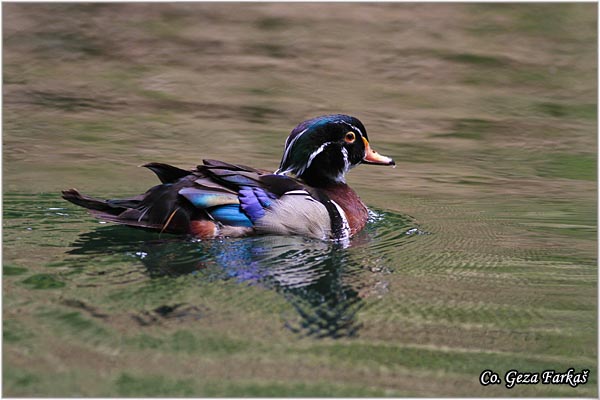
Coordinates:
(204, 199)
(230, 214)
(240, 209)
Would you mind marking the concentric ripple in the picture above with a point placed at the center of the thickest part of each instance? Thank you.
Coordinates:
(314, 276)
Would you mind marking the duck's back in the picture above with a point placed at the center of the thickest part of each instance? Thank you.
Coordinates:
(222, 199)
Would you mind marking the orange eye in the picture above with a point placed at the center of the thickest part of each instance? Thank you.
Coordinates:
(350, 137)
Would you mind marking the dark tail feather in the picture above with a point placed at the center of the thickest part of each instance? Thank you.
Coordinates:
(123, 220)
(132, 212)
(90, 203)
(166, 173)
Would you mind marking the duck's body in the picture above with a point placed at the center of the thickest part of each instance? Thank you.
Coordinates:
(221, 199)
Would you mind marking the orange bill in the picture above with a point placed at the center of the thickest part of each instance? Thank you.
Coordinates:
(373, 157)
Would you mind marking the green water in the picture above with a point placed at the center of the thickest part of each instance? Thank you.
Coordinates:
(480, 252)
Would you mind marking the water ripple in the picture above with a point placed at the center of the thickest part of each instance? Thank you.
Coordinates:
(324, 282)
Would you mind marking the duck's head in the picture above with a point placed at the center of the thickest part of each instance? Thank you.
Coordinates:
(321, 150)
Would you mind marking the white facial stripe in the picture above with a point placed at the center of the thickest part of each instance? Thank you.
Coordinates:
(346, 161)
(340, 178)
(316, 153)
(352, 126)
(290, 145)
(299, 169)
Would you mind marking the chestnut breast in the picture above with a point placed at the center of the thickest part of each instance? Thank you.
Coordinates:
(356, 211)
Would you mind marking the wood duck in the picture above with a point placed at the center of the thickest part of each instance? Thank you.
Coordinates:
(307, 195)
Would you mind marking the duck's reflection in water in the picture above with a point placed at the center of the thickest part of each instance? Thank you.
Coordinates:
(309, 274)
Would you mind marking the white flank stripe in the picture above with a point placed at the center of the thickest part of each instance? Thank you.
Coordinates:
(345, 225)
